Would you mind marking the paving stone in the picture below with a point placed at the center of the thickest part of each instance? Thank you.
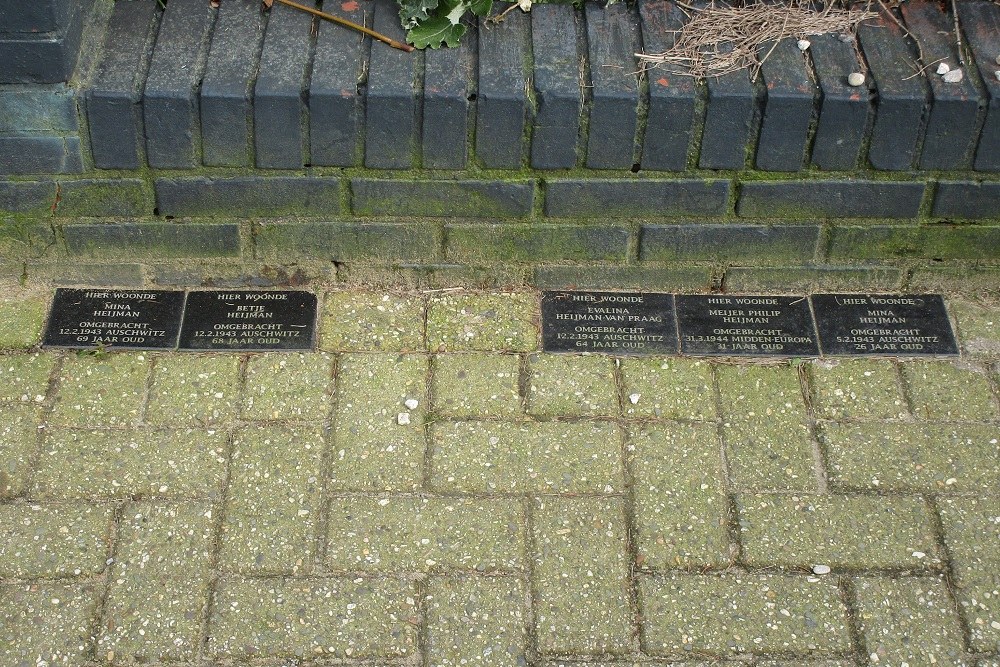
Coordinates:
(18, 443)
(24, 378)
(984, 17)
(943, 390)
(788, 106)
(729, 242)
(581, 571)
(347, 241)
(248, 196)
(556, 136)
(971, 533)
(459, 198)
(96, 390)
(40, 154)
(393, 102)
(738, 613)
(810, 279)
(488, 322)
(843, 109)
(668, 388)
(768, 443)
(288, 386)
(309, 618)
(912, 457)
(21, 322)
(179, 463)
(680, 497)
(519, 457)
(830, 199)
(619, 198)
(159, 583)
(274, 499)
(970, 200)
(477, 385)
(612, 34)
(488, 243)
(978, 326)
(42, 16)
(428, 534)
(857, 389)
(26, 196)
(730, 119)
(100, 197)
(372, 451)
(564, 385)
(842, 532)
(476, 621)
(909, 620)
(152, 240)
(47, 624)
(448, 81)
(53, 540)
(191, 390)
(372, 321)
(503, 107)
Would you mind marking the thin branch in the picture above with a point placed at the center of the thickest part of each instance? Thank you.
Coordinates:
(344, 22)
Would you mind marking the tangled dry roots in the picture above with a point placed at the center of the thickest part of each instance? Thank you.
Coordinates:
(720, 39)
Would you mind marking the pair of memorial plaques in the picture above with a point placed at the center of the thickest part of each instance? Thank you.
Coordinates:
(733, 325)
(202, 320)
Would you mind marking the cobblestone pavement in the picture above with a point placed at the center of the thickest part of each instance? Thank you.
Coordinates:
(429, 490)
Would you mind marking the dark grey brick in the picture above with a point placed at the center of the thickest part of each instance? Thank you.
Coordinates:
(967, 199)
(114, 111)
(170, 101)
(502, 108)
(555, 136)
(26, 196)
(843, 110)
(447, 79)
(645, 278)
(941, 242)
(729, 122)
(225, 103)
(38, 108)
(346, 241)
(788, 107)
(35, 16)
(442, 198)
(393, 102)
(673, 100)
(811, 278)
(535, 243)
(40, 154)
(901, 98)
(612, 34)
(830, 199)
(112, 274)
(950, 138)
(248, 196)
(152, 240)
(635, 198)
(279, 95)
(336, 98)
(728, 242)
(119, 197)
(47, 57)
(981, 20)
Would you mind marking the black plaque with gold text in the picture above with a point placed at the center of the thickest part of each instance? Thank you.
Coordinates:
(612, 322)
(723, 324)
(890, 324)
(245, 320)
(134, 319)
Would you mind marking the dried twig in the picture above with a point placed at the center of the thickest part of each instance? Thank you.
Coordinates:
(344, 22)
(958, 33)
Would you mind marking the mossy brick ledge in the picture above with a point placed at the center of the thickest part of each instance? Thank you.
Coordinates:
(179, 152)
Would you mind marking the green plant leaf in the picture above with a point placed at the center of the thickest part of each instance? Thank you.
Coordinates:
(412, 12)
(434, 32)
(481, 7)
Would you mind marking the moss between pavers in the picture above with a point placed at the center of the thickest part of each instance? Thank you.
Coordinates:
(857, 389)
(581, 571)
(944, 390)
(913, 457)
(842, 532)
(274, 499)
(424, 534)
(53, 540)
(476, 621)
(761, 392)
(731, 614)
(21, 321)
(310, 618)
(972, 534)
(159, 584)
(47, 623)
(681, 504)
(477, 385)
(668, 388)
(571, 385)
(24, 378)
(909, 621)
(372, 449)
(191, 390)
(485, 322)
(99, 390)
(978, 326)
(177, 463)
(519, 457)
(288, 386)
(372, 321)
(19, 426)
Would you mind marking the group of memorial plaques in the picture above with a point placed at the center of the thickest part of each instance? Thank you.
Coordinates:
(194, 321)
(750, 325)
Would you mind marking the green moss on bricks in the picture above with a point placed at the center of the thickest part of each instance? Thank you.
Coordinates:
(125, 197)
(21, 321)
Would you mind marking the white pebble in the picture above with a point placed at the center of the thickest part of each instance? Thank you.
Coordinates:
(954, 76)
(995, 625)
(997, 60)
(943, 68)
(634, 398)
(855, 79)
(803, 44)
(919, 554)
(821, 569)
(997, 74)
(403, 418)
(411, 403)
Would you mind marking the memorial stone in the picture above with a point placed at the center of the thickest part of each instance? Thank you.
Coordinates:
(890, 324)
(258, 320)
(745, 325)
(109, 318)
(615, 322)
